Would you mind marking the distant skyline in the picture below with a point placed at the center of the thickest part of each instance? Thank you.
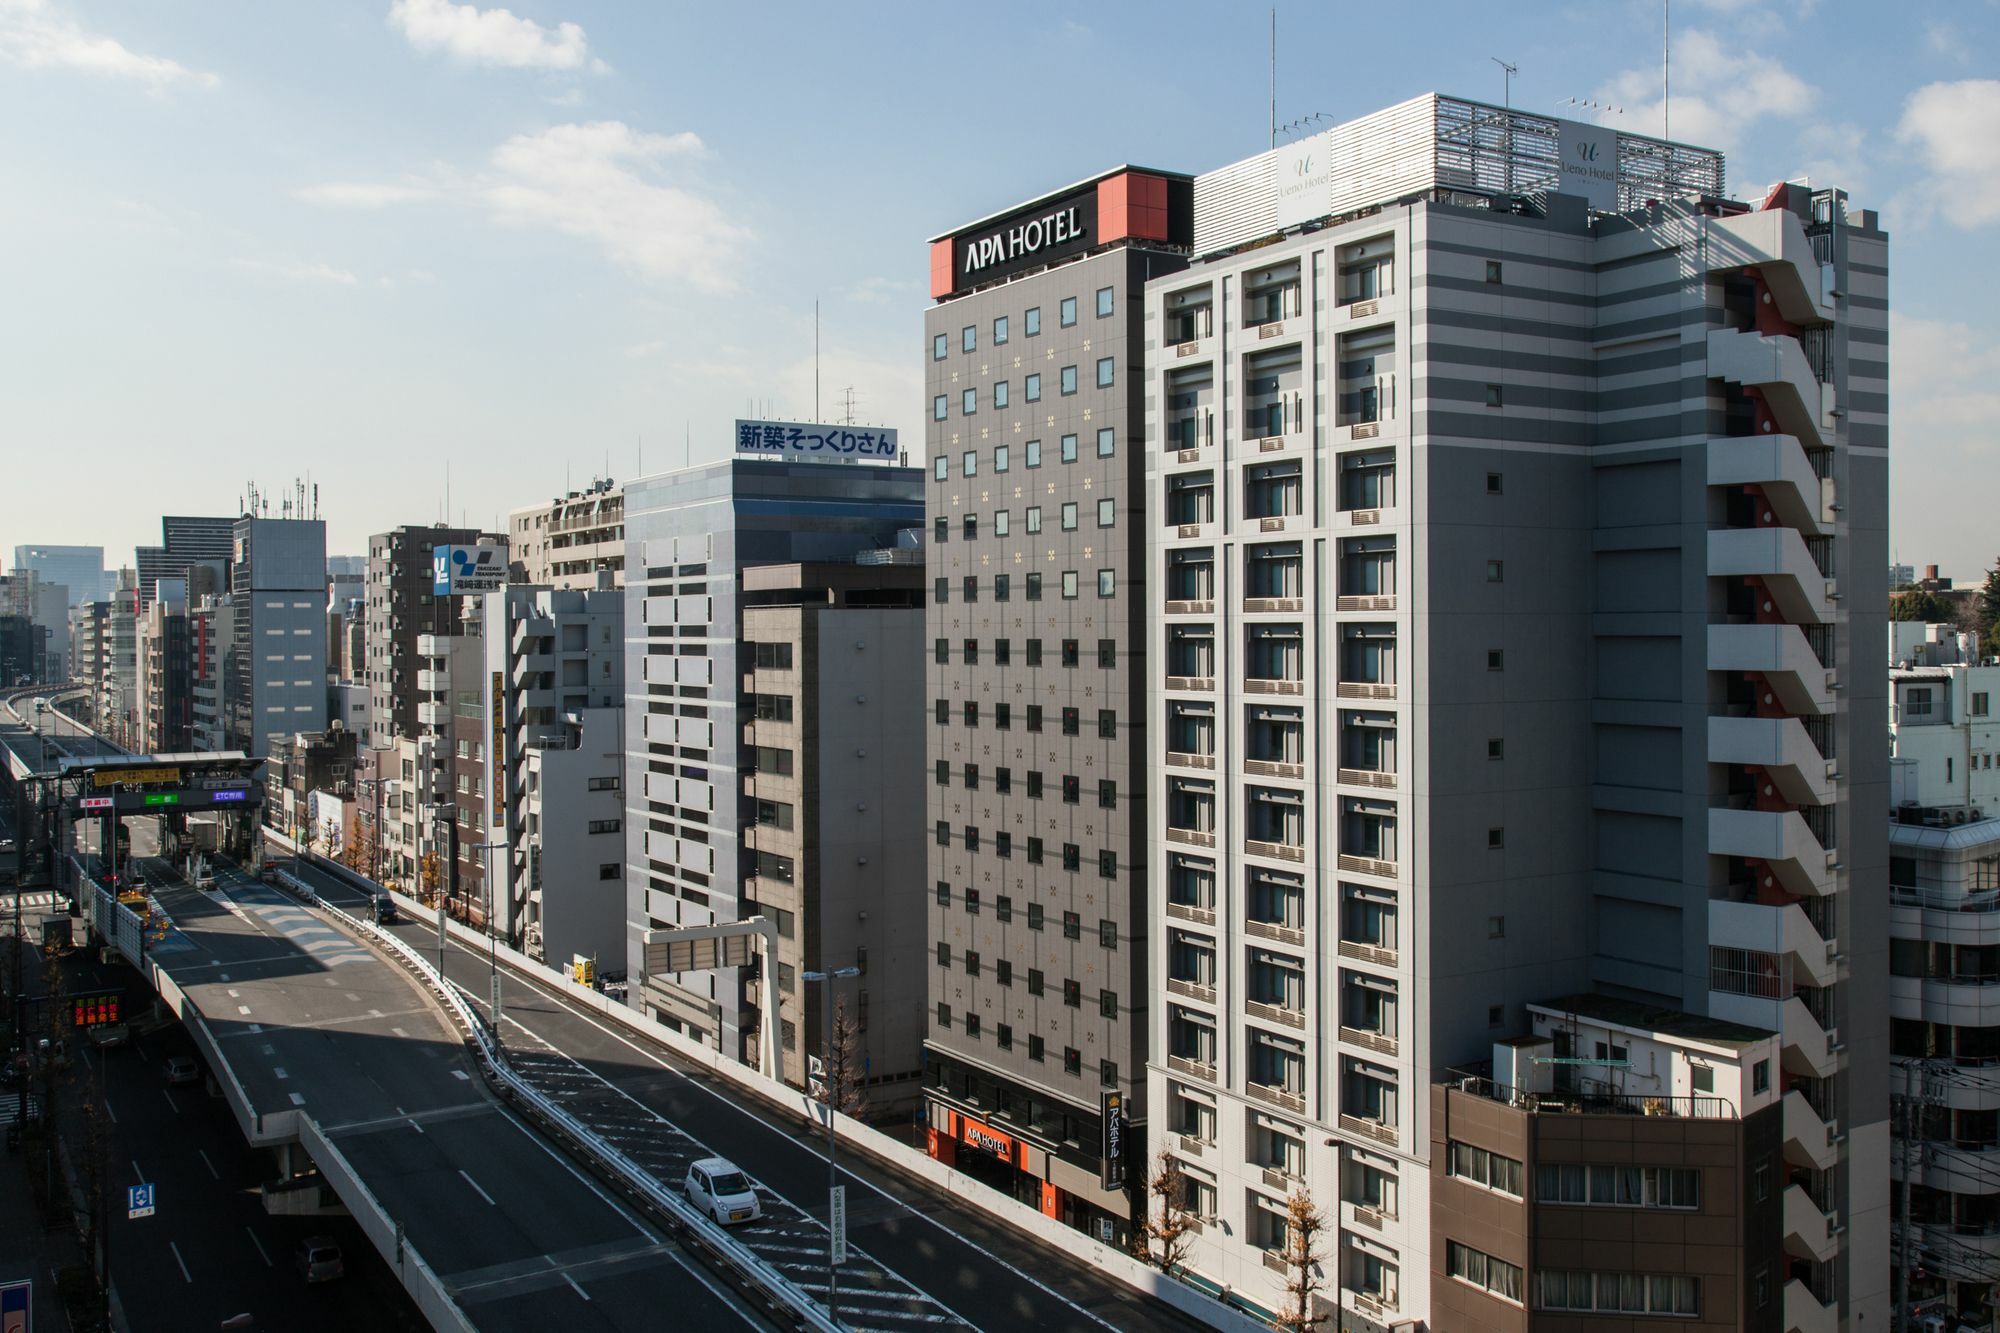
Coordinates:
(352, 241)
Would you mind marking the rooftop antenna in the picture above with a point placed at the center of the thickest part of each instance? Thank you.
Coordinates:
(687, 443)
(848, 405)
(1507, 73)
(1274, 76)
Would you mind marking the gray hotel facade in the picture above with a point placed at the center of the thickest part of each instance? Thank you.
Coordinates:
(1406, 599)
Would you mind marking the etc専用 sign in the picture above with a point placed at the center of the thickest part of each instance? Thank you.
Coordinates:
(805, 442)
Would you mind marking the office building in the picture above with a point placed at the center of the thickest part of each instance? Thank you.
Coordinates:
(166, 685)
(693, 536)
(183, 539)
(1040, 994)
(833, 829)
(401, 606)
(1507, 512)
(274, 662)
(569, 541)
(79, 569)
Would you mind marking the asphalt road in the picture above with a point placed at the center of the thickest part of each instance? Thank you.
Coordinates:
(661, 1112)
(312, 1022)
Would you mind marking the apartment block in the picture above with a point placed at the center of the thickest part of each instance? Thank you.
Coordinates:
(165, 671)
(832, 823)
(1505, 518)
(691, 670)
(1943, 726)
(569, 541)
(401, 605)
(1037, 683)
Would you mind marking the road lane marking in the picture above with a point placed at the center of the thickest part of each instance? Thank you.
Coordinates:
(261, 1254)
(170, 1100)
(579, 1290)
(401, 1033)
(242, 1008)
(460, 1073)
(182, 1262)
(476, 1190)
(205, 1162)
(108, 1111)
(297, 1100)
(234, 994)
(137, 1174)
(279, 1073)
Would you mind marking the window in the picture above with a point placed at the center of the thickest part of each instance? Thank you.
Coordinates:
(971, 960)
(1072, 720)
(772, 657)
(1072, 1061)
(971, 1024)
(969, 339)
(1003, 587)
(943, 710)
(1066, 313)
(1034, 518)
(940, 408)
(1979, 703)
(1107, 723)
(943, 1014)
(1496, 748)
(1003, 520)
(971, 524)
(1031, 388)
(1104, 297)
(1031, 321)
(939, 346)
(1493, 270)
(943, 954)
(1034, 923)
(1483, 1270)
(1917, 703)
(1485, 1168)
(1003, 1036)
(609, 870)
(968, 464)
(1495, 483)
(1035, 981)
(1496, 660)
(944, 773)
(968, 404)
(1493, 395)
(999, 394)
(1760, 1076)
(1107, 654)
(1107, 864)
(1107, 442)
(999, 329)
(1034, 710)
(971, 780)
(1107, 513)
(1107, 794)
(1496, 838)
(1107, 934)
(1072, 788)
(1034, 653)
(1069, 516)
(1496, 571)
(1073, 994)
(941, 467)
(1034, 1047)
(1069, 585)
(1033, 451)
(1067, 380)
(1072, 857)
(1107, 371)
(1069, 448)
(1616, 1293)
(1107, 583)
(1618, 1186)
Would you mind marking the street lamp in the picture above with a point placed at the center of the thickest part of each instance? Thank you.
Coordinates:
(835, 1225)
(492, 951)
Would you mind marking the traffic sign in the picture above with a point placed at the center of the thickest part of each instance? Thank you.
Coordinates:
(838, 1224)
(17, 1303)
(139, 1201)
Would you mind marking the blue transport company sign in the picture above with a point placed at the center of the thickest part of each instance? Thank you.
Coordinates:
(804, 442)
(457, 570)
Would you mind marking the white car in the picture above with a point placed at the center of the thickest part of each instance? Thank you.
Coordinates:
(719, 1189)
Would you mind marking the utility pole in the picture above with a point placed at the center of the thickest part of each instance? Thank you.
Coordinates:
(1907, 1158)
(836, 1218)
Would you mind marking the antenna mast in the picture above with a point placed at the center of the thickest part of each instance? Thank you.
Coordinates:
(1666, 69)
(815, 360)
(1274, 76)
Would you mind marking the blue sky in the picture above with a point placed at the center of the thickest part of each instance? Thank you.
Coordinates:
(250, 241)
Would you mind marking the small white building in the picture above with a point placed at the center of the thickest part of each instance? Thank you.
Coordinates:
(1943, 727)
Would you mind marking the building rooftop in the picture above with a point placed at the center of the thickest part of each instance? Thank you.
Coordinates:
(1659, 1019)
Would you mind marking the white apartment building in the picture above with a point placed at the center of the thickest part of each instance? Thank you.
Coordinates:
(569, 541)
(1505, 524)
(1944, 728)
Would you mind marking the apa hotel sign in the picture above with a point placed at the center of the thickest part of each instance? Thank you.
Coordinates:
(1049, 231)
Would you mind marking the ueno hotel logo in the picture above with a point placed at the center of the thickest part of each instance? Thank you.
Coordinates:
(1056, 228)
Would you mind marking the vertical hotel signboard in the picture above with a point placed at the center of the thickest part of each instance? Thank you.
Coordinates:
(1111, 1114)
(496, 756)
(1589, 168)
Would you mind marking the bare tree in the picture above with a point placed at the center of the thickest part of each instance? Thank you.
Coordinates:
(842, 1078)
(1168, 1236)
(1303, 1224)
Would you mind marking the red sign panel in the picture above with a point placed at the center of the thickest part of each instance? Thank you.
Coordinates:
(986, 1138)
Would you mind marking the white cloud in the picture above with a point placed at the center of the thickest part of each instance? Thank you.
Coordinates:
(33, 35)
(1944, 417)
(293, 270)
(1720, 90)
(1956, 127)
(599, 182)
(496, 37)
(1944, 39)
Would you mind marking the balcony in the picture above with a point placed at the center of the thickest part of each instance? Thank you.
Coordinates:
(1373, 602)
(1367, 953)
(1800, 684)
(1777, 466)
(1184, 759)
(1808, 1139)
(1774, 242)
(1776, 366)
(1200, 684)
(1365, 777)
(1180, 1064)
(1780, 839)
(1373, 1041)
(1366, 865)
(1368, 1129)
(1254, 685)
(1257, 606)
(1778, 558)
(1782, 748)
(1277, 851)
(1270, 930)
(432, 714)
(430, 681)
(1770, 929)
(433, 645)
(1275, 1013)
(1808, 1234)
(1272, 768)
(1192, 990)
(1290, 1101)
(1190, 837)
(1805, 1314)
(1189, 606)
(1201, 916)
(1366, 689)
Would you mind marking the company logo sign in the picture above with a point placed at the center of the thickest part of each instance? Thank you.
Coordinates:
(804, 442)
(1586, 152)
(1589, 158)
(1042, 234)
(458, 570)
(1303, 181)
(1111, 1107)
(987, 1140)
